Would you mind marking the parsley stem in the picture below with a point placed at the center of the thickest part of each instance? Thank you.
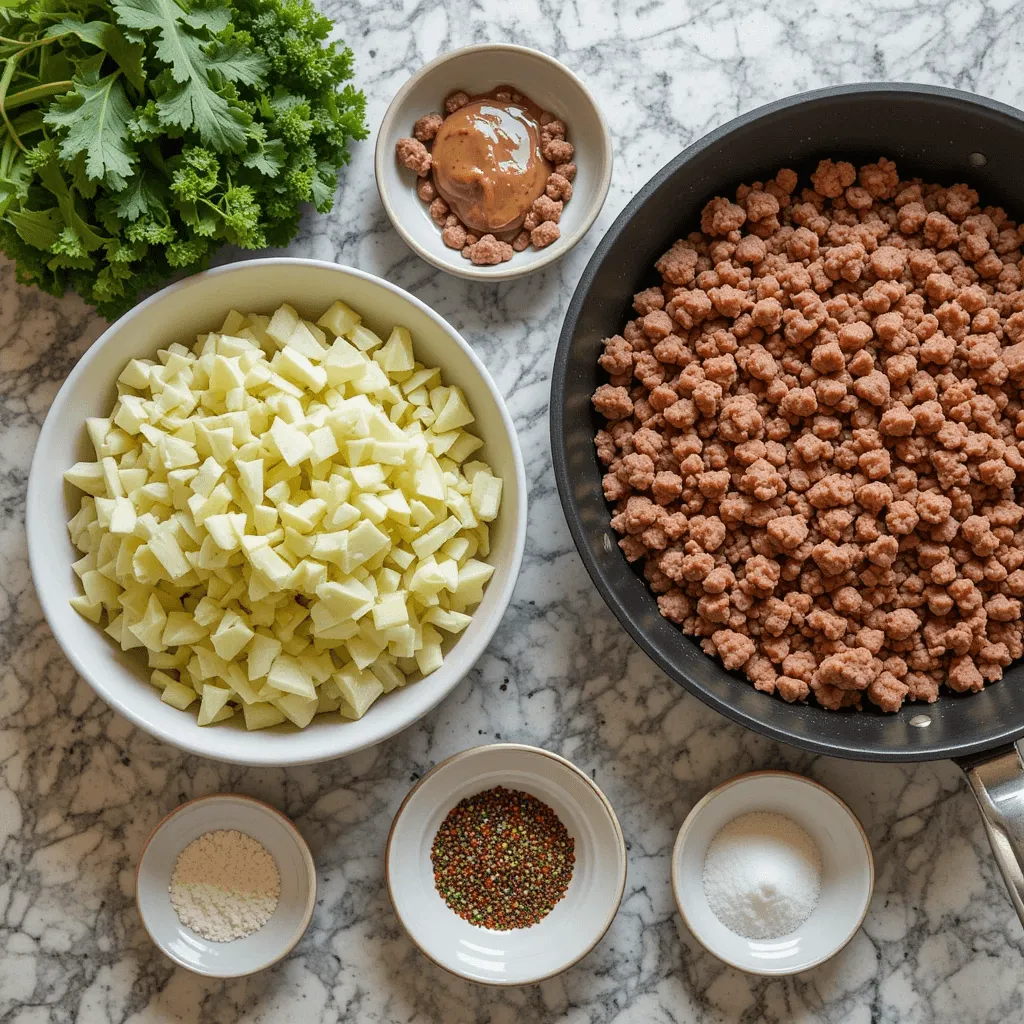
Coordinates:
(37, 92)
(5, 83)
(213, 206)
(30, 44)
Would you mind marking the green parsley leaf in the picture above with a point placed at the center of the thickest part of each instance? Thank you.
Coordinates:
(40, 228)
(191, 105)
(137, 197)
(177, 46)
(214, 17)
(268, 158)
(96, 118)
(237, 63)
(108, 37)
(192, 102)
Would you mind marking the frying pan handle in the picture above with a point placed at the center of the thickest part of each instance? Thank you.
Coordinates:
(997, 781)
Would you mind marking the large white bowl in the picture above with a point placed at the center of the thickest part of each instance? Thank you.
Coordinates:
(178, 313)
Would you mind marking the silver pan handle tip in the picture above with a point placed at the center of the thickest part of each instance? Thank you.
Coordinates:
(996, 778)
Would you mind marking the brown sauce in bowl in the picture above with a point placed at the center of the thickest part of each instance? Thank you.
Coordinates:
(487, 161)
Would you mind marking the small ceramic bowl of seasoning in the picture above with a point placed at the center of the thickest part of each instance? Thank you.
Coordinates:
(772, 873)
(505, 864)
(225, 885)
(513, 147)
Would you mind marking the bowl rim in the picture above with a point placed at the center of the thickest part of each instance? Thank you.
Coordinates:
(687, 826)
(38, 556)
(307, 860)
(526, 748)
(560, 372)
(555, 251)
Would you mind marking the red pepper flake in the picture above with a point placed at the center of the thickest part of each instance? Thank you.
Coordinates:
(502, 859)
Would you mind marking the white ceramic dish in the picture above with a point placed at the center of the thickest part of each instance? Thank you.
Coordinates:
(239, 956)
(848, 874)
(476, 70)
(179, 312)
(576, 924)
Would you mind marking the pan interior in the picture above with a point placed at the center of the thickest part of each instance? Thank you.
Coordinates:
(937, 134)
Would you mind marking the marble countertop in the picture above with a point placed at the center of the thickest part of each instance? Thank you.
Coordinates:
(80, 789)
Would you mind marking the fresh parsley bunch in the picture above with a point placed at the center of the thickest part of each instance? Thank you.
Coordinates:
(140, 135)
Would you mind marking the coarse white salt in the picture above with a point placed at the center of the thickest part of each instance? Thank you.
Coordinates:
(762, 875)
(225, 885)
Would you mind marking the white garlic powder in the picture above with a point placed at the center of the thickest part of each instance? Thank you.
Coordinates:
(225, 885)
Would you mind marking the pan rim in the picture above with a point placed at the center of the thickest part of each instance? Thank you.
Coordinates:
(842, 749)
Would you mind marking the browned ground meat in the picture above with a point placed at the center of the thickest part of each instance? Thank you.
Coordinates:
(540, 229)
(815, 436)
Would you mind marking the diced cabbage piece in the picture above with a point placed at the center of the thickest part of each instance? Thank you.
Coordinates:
(261, 715)
(88, 477)
(299, 709)
(396, 356)
(293, 444)
(340, 319)
(343, 363)
(262, 653)
(486, 495)
(363, 338)
(429, 657)
(358, 690)
(282, 324)
(181, 628)
(288, 675)
(91, 610)
(178, 695)
(435, 537)
(390, 610)
(455, 413)
(214, 701)
(231, 636)
(303, 342)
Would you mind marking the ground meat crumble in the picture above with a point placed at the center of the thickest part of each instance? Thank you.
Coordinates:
(815, 436)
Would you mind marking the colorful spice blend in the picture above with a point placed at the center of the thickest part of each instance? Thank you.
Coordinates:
(502, 859)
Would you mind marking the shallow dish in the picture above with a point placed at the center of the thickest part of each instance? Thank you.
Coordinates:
(847, 876)
(283, 842)
(180, 311)
(526, 955)
(478, 69)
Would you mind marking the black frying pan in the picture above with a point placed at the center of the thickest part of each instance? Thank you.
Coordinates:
(940, 134)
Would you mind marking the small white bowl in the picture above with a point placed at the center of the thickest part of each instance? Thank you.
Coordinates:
(283, 842)
(178, 312)
(476, 70)
(847, 878)
(521, 956)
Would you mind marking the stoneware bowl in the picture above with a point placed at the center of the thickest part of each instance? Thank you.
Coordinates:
(847, 878)
(176, 314)
(476, 70)
(282, 841)
(573, 928)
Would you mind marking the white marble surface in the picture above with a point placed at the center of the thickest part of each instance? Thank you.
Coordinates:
(80, 789)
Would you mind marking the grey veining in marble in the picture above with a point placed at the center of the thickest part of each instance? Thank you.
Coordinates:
(80, 789)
